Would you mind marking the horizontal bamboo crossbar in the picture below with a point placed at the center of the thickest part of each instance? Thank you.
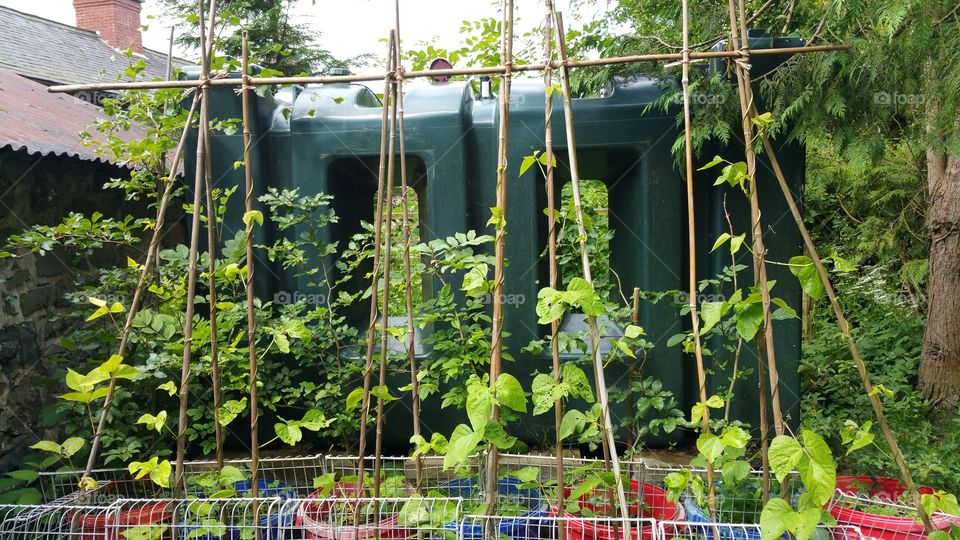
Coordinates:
(493, 70)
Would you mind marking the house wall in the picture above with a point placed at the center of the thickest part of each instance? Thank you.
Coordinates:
(41, 190)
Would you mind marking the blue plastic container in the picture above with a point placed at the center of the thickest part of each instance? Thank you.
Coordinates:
(270, 525)
(525, 526)
(711, 531)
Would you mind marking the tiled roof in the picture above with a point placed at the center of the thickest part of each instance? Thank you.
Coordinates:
(52, 52)
(40, 123)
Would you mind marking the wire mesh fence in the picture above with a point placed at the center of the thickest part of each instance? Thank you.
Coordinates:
(319, 497)
(292, 473)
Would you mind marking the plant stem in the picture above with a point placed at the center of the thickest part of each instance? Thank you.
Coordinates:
(601, 385)
(552, 247)
(203, 132)
(214, 350)
(496, 351)
(692, 250)
(407, 274)
(875, 402)
(382, 196)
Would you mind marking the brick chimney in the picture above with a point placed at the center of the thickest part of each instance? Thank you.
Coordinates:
(117, 21)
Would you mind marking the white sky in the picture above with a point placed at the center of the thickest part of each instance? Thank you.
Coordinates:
(348, 27)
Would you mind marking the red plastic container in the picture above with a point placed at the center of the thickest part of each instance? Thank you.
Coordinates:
(880, 526)
(99, 524)
(314, 516)
(656, 507)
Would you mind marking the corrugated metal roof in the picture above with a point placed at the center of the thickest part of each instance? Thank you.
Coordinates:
(41, 123)
(46, 50)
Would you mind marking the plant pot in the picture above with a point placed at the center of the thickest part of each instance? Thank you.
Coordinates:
(526, 525)
(98, 523)
(883, 527)
(316, 516)
(657, 507)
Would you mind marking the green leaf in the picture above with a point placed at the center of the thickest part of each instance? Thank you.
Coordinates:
(288, 433)
(543, 395)
(784, 454)
(47, 446)
(251, 216)
(573, 422)
(721, 240)
(475, 282)
(314, 420)
(231, 409)
(525, 475)
(633, 332)
(461, 446)
(154, 422)
(712, 313)
(735, 472)
(354, 398)
(818, 470)
(779, 517)
(24, 475)
(713, 163)
(145, 532)
(762, 120)
(479, 404)
(736, 243)
(496, 435)
(710, 446)
(382, 392)
(842, 265)
(527, 162)
(71, 446)
(576, 380)
(803, 267)
(749, 318)
(230, 475)
(169, 386)
(510, 394)
(734, 437)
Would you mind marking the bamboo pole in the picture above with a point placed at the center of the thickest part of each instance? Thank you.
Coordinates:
(875, 402)
(495, 70)
(251, 308)
(632, 371)
(378, 226)
(601, 385)
(212, 285)
(202, 134)
(692, 250)
(145, 271)
(499, 247)
(408, 278)
(552, 247)
(756, 229)
(390, 101)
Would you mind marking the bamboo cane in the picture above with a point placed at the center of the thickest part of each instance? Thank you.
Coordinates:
(495, 70)
(391, 102)
(212, 285)
(408, 280)
(756, 229)
(585, 259)
(378, 226)
(552, 245)
(251, 308)
(202, 134)
(847, 334)
(145, 271)
(692, 250)
(496, 353)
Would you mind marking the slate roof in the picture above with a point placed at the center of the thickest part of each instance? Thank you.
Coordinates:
(55, 53)
(40, 123)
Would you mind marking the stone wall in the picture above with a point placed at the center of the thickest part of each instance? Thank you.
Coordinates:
(41, 190)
